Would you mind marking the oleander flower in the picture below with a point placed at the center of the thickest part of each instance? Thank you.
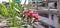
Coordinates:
(31, 13)
(35, 15)
(25, 11)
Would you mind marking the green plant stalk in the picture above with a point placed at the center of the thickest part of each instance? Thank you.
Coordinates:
(5, 10)
(12, 13)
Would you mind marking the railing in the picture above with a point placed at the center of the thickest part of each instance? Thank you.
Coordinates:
(46, 22)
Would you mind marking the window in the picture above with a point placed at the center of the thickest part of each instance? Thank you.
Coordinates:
(55, 5)
(52, 5)
(33, 2)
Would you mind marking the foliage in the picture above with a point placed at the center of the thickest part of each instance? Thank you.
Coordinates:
(16, 13)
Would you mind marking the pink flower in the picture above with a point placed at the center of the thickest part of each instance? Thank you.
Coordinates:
(25, 11)
(35, 15)
(31, 13)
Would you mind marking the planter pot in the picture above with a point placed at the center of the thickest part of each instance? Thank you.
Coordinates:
(28, 26)
(17, 27)
(13, 27)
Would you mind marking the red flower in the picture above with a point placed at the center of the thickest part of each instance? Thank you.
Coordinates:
(35, 15)
(31, 13)
(25, 11)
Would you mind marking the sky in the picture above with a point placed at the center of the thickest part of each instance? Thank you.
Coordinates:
(22, 2)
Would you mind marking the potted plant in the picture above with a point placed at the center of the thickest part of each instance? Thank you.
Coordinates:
(18, 17)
